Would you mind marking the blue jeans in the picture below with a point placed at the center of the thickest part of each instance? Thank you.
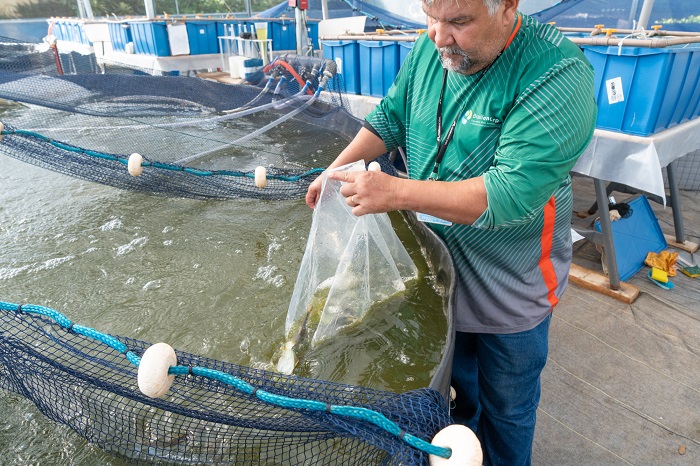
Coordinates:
(497, 381)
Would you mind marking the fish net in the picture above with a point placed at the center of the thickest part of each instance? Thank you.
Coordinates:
(198, 138)
(201, 139)
(84, 379)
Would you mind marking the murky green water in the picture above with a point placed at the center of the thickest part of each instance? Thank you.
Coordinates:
(212, 278)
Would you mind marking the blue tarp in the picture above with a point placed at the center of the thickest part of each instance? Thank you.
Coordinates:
(376, 17)
(674, 15)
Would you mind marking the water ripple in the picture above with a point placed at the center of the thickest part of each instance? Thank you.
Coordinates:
(127, 248)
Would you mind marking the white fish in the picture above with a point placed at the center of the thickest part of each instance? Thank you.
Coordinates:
(288, 360)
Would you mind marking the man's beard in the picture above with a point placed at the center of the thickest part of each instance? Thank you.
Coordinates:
(458, 66)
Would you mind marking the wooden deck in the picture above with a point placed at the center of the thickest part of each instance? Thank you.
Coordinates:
(622, 382)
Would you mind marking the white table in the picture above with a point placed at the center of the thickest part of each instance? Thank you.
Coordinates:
(637, 162)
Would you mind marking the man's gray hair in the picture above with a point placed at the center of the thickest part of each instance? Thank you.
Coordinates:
(491, 5)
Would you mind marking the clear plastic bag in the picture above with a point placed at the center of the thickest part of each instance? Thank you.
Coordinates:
(350, 263)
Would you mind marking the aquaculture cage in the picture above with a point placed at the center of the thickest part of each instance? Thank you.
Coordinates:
(203, 140)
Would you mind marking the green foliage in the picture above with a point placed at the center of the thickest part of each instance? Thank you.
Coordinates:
(46, 9)
(49, 8)
(689, 19)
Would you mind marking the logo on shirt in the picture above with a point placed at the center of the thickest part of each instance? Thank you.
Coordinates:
(475, 119)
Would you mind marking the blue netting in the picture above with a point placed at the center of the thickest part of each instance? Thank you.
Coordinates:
(86, 380)
(377, 17)
(674, 15)
(199, 138)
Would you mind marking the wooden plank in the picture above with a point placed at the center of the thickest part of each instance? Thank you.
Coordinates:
(599, 283)
(686, 245)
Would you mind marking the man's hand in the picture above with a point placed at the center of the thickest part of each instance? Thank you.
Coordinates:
(314, 192)
(368, 192)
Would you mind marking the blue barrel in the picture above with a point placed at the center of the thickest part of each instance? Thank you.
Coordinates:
(150, 38)
(346, 54)
(404, 50)
(283, 35)
(643, 90)
(201, 36)
(312, 29)
(120, 35)
(379, 65)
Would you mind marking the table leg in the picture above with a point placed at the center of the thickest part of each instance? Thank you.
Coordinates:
(606, 230)
(675, 202)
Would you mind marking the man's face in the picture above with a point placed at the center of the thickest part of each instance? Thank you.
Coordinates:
(468, 38)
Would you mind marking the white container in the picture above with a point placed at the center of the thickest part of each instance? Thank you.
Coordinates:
(235, 65)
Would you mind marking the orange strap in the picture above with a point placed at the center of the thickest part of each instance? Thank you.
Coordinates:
(291, 70)
(515, 31)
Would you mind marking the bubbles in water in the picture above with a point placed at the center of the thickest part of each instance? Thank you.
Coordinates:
(113, 224)
(10, 272)
(127, 248)
(245, 345)
(267, 273)
(152, 285)
(52, 263)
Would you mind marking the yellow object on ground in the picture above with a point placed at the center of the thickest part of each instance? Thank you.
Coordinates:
(659, 275)
(664, 260)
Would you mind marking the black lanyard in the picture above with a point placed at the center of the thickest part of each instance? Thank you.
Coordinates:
(442, 145)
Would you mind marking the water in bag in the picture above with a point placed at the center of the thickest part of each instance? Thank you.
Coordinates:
(350, 262)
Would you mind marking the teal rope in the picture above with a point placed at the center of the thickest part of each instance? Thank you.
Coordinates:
(362, 414)
(162, 165)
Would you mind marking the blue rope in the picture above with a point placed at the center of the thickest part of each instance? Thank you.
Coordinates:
(162, 165)
(362, 414)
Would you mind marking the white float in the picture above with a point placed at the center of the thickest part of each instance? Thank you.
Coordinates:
(466, 448)
(2, 128)
(134, 165)
(260, 177)
(153, 378)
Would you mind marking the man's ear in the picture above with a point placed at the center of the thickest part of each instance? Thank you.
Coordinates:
(510, 8)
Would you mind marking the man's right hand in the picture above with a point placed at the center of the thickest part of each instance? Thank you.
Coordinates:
(314, 192)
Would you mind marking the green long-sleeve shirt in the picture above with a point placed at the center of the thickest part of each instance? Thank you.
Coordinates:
(521, 126)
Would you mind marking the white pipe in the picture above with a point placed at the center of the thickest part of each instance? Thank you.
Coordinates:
(385, 37)
(324, 9)
(150, 8)
(650, 43)
(298, 97)
(660, 32)
(88, 9)
(81, 9)
(645, 14)
(299, 34)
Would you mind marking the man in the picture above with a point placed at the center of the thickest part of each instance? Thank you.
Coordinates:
(493, 110)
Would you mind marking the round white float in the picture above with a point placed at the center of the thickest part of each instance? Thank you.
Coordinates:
(374, 167)
(153, 378)
(466, 448)
(2, 127)
(134, 166)
(260, 177)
